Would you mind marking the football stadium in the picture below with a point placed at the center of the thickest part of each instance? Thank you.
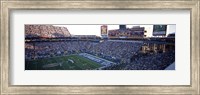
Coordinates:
(148, 47)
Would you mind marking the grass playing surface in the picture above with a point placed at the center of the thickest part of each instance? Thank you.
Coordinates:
(80, 63)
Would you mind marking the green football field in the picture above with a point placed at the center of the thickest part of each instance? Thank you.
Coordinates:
(71, 62)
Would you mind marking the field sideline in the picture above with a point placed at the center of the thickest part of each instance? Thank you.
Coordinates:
(71, 62)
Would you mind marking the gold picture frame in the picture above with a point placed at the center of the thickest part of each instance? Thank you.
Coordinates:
(192, 5)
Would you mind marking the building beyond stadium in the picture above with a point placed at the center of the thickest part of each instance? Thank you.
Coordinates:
(138, 31)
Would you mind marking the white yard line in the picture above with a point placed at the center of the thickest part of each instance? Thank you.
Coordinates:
(99, 60)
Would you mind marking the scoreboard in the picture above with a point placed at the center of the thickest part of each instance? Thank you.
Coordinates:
(159, 30)
(122, 27)
(104, 30)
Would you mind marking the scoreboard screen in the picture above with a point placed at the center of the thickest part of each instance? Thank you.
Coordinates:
(104, 30)
(159, 30)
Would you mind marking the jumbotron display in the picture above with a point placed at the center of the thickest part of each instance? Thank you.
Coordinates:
(104, 30)
(159, 30)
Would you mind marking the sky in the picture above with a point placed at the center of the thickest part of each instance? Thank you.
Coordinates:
(96, 29)
(87, 29)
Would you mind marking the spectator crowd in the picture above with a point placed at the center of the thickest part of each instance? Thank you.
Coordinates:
(119, 52)
(45, 31)
(125, 54)
(156, 61)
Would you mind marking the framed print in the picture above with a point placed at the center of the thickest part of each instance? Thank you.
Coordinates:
(125, 48)
(100, 47)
